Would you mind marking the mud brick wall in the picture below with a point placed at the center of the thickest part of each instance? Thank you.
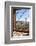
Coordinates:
(13, 21)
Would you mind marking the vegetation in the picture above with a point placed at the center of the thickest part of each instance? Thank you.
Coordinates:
(22, 26)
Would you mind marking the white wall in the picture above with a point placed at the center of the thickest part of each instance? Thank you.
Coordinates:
(2, 24)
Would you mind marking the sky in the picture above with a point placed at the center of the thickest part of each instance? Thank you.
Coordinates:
(21, 14)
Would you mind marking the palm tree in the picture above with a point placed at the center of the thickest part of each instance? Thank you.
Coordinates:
(26, 19)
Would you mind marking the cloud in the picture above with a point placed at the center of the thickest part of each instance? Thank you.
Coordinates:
(20, 15)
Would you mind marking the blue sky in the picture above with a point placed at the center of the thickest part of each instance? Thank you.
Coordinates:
(22, 14)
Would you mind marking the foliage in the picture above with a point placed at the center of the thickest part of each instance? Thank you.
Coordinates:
(22, 26)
